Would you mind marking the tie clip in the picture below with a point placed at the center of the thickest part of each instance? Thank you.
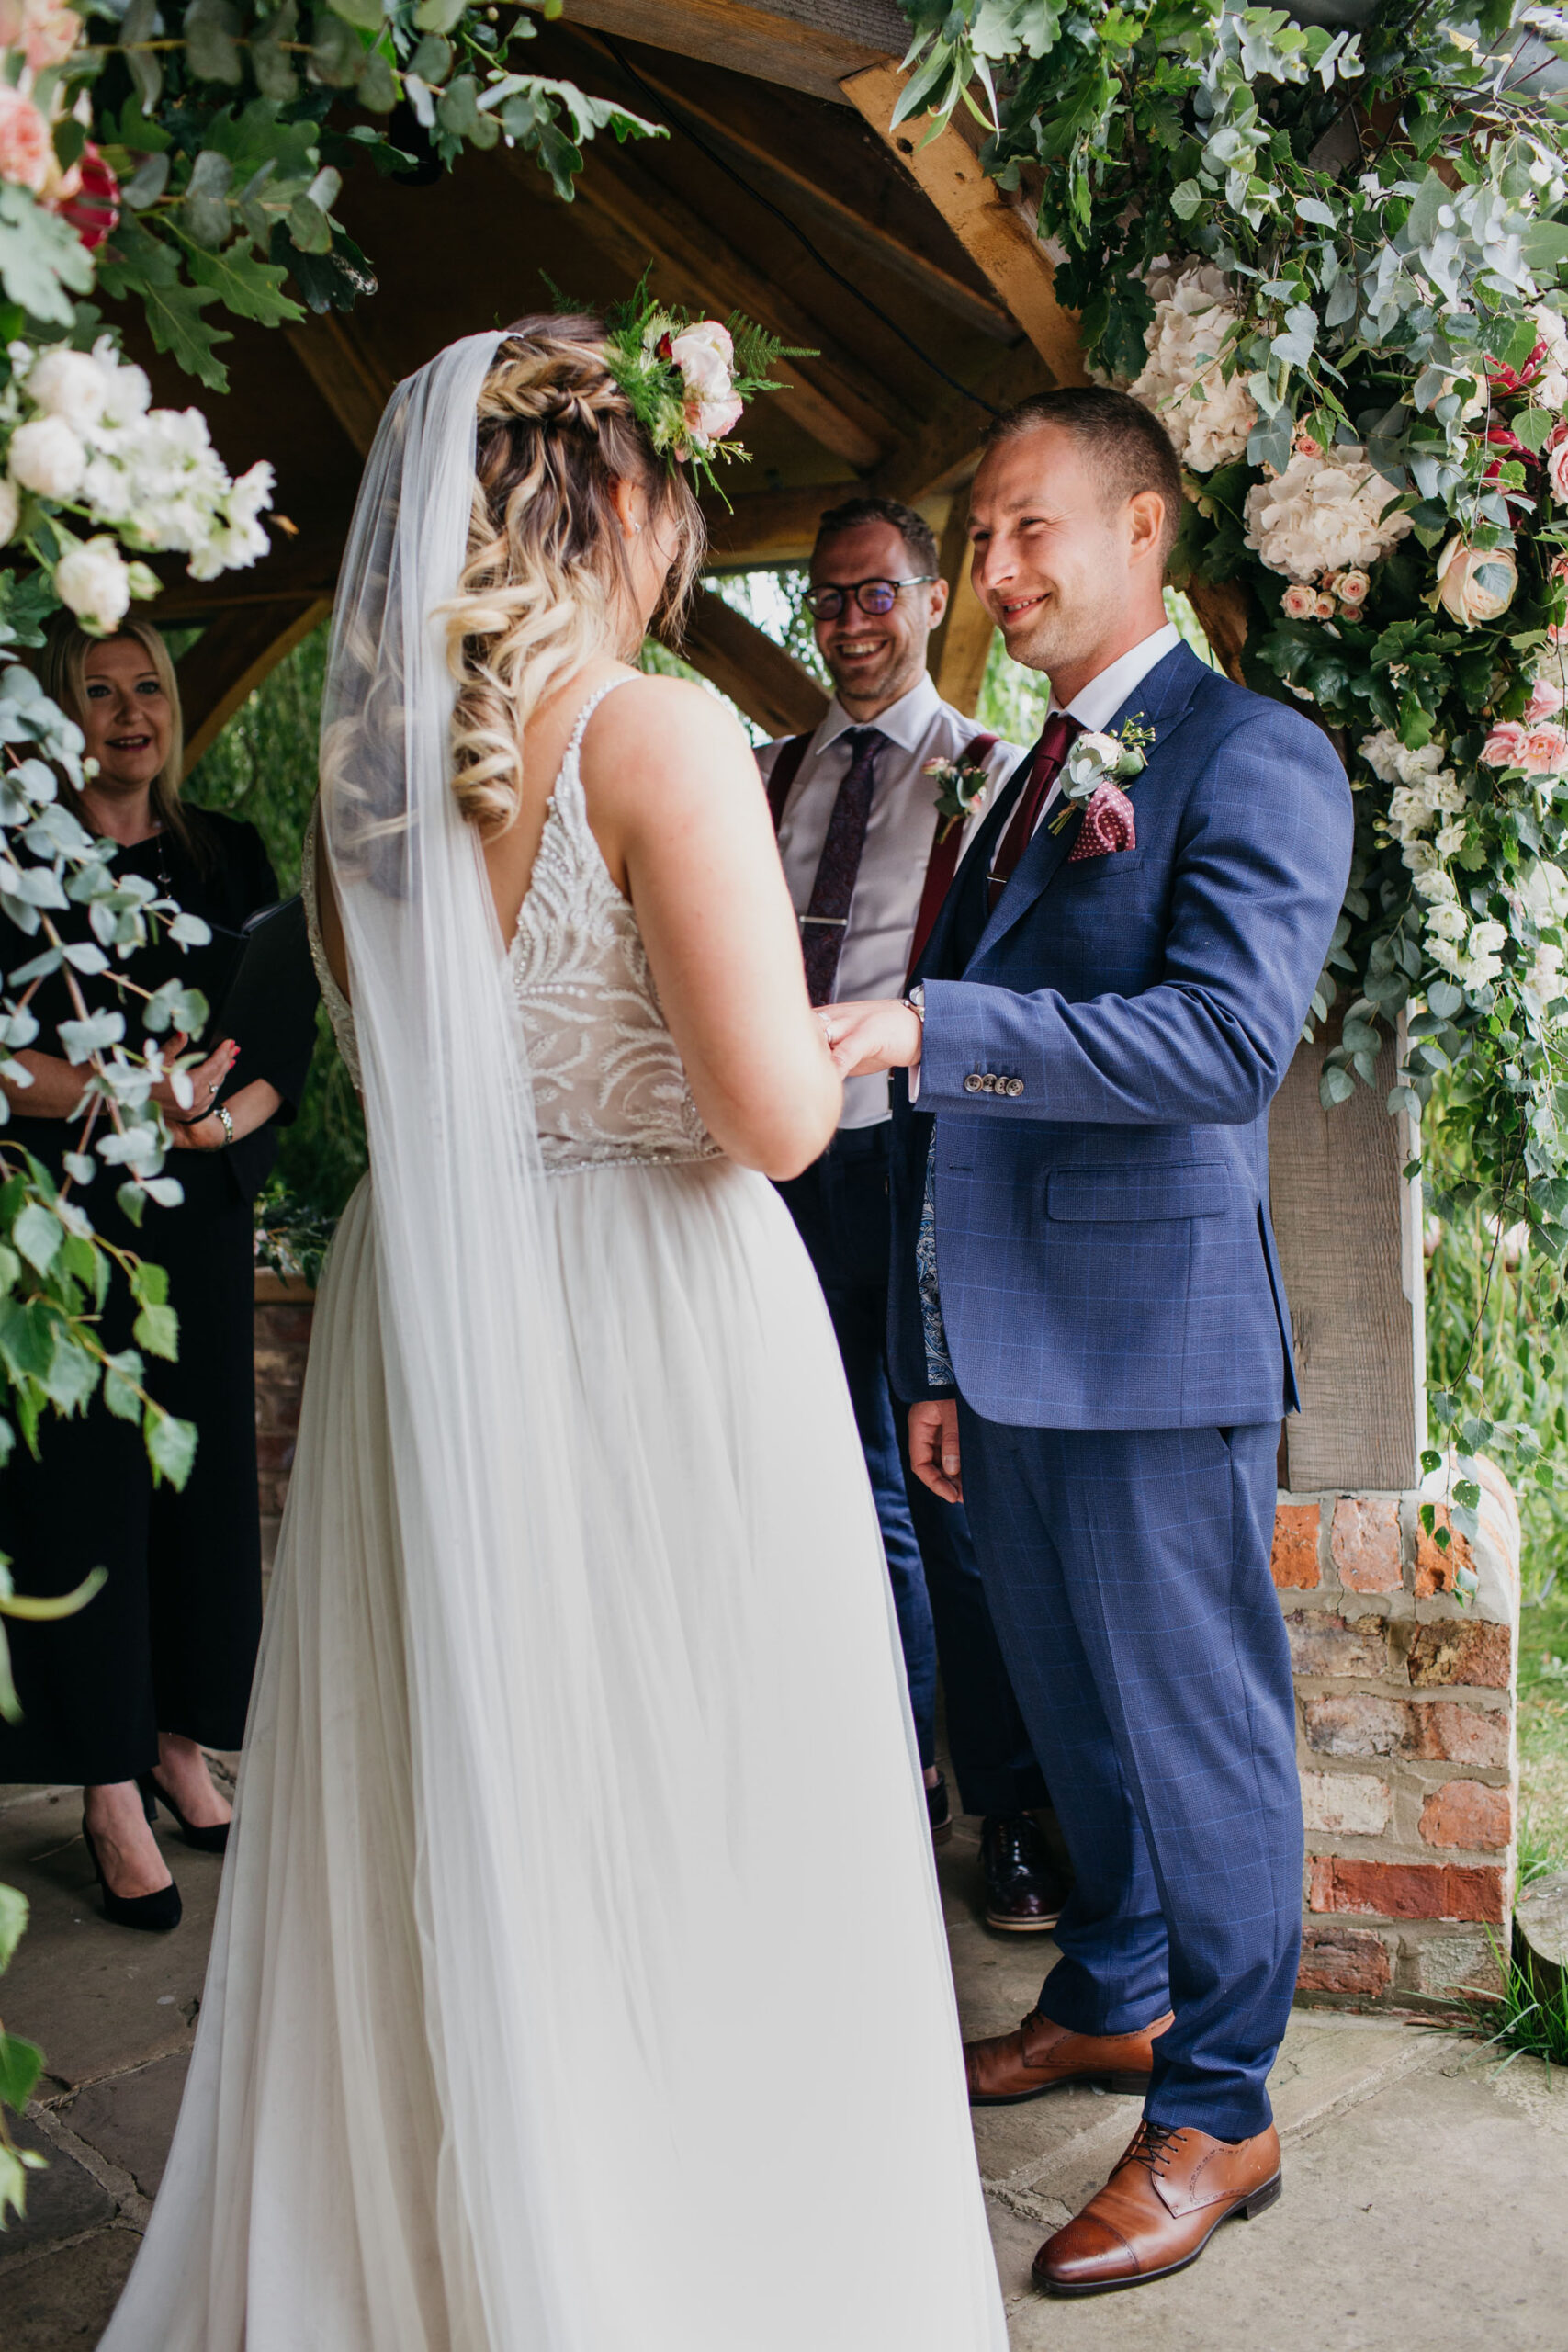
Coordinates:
(839, 920)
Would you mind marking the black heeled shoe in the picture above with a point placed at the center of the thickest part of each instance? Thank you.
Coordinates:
(212, 1839)
(161, 1909)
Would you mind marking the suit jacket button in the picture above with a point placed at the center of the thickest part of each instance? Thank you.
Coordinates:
(987, 1081)
(1015, 1085)
(973, 1082)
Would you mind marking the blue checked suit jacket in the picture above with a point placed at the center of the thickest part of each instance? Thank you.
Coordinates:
(1103, 1247)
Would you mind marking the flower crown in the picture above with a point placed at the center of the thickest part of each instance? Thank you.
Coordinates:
(687, 380)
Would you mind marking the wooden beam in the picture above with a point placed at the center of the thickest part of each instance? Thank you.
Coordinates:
(804, 44)
(630, 215)
(230, 660)
(948, 442)
(742, 662)
(1349, 1226)
(962, 647)
(772, 525)
(354, 386)
(824, 160)
(992, 231)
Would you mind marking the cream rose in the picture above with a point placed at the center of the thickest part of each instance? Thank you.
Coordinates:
(95, 580)
(1475, 584)
(10, 510)
(1299, 601)
(705, 357)
(1352, 588)
(47, 457)
(71, 384)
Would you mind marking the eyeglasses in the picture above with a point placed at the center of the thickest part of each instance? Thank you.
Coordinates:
(875, 596)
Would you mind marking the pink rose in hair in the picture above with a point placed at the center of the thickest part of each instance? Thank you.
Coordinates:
(1505, 747)
(1300, 601)
(27, 151)
(705, 357)
(711, 420)
(1545, 752)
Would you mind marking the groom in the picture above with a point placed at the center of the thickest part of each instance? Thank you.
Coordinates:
(1088, 1303)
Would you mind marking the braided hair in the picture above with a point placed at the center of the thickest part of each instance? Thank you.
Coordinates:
(544, 588)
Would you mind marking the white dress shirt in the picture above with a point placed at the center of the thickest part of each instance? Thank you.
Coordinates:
(899, 836)
(1094, 706)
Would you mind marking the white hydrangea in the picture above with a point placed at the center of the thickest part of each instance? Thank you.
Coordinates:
(1207, 418)
(1322, 515)
(95, 580)
(1543, 893)
(152, 476)
(1395, 762)
(1550, 387)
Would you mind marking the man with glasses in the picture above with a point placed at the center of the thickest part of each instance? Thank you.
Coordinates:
(868, 858)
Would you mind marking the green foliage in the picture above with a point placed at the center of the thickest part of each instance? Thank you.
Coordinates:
(225, 124)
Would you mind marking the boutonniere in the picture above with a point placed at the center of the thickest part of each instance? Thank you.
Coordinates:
(958, 789)
(1102, 759)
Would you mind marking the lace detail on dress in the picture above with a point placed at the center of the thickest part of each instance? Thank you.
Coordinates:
(340, 1013)
(608, 1083)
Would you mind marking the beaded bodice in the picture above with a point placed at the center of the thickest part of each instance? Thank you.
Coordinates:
(608, 1083)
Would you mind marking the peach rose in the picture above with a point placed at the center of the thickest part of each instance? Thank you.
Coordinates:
(1324, 606)
(1545, 752)
(1475, 584)
(27, 151)
(1305, 446)
(1300, 601)
(1505, 747)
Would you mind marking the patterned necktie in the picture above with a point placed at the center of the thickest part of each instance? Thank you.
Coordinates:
(1060, 734)
(825, 919)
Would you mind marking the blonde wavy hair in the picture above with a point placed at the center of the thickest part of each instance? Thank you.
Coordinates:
(63, 671)
(544, 586)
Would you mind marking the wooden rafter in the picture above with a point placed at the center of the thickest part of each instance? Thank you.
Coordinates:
(770, 686)
(629, 214)
(810, 45)
(824, 161)
(947, 445)
(354, 387)
(230, 660)
(992, 231)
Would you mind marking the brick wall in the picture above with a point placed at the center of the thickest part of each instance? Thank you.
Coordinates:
(284, 1311)
(1405, 1737)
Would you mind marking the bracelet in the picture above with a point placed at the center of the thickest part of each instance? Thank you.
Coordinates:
(220, 1111)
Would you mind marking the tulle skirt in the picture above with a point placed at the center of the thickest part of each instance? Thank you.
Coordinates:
(744, 2084)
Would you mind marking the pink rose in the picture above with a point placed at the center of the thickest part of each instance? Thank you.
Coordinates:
(1305, 446)
(45, 34)
(1546, 698)
(711, 420)
(705, 357)
(1505, 747)
(1557, 471)
(27, 151)
(1544, 752)
(1352, 588)
(1557, 633)
(1300, 601)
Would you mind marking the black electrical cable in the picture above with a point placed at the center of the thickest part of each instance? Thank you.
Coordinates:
(668, 106)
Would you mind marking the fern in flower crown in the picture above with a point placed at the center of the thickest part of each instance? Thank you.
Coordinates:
(688, 379)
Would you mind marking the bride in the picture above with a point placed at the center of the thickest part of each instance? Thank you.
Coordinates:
(555, 2005)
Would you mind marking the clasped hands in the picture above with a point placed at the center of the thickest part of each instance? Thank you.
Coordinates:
(194, 1128)
(881, 1032)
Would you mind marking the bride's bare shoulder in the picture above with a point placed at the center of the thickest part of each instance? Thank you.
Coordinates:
(659, 738)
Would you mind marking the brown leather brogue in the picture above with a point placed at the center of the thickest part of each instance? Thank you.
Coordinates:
(1159, 2209)
(1041, 2056)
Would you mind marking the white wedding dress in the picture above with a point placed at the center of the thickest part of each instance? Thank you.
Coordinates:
(737, 2079)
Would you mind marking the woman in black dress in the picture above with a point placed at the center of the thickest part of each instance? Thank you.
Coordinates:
(123, 1696)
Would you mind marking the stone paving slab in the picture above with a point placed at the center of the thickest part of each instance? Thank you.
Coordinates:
(1425, 2206)
(98, 1999)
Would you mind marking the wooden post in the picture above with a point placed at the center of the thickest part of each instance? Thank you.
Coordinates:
(962, 646)
(1349, 1224)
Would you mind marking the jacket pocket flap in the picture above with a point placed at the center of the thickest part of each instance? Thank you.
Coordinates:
(1121, 1196)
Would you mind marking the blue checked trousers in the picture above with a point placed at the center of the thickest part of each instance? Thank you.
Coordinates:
(1127, 1572)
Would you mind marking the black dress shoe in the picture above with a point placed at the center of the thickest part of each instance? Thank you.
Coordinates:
(211, 1838)
(936, 1806)
(1024, 1892)
(161, 1909)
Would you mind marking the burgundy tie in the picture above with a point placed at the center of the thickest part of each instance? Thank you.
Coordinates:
(1057, 739)
(825, 919)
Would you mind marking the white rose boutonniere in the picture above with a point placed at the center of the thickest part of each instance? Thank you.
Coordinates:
(1098, 758)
